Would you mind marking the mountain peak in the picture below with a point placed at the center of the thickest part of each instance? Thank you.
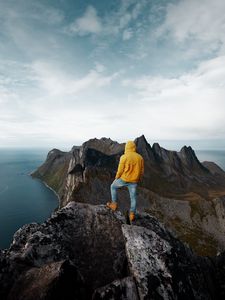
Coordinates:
(104, 145)
(55, 153)
(157, 148)
(144, 148)
(189, 158)
(141, 140)
(186, 149)
(156, 145)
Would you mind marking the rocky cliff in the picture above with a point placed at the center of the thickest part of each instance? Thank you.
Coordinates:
(185, 194)
(167, 173)
(86, 251)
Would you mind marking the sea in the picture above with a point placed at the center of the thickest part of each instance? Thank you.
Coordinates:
(24, 200)
(217, 156)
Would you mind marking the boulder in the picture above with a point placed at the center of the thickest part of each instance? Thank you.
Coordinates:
(164, 268)
(87, 235)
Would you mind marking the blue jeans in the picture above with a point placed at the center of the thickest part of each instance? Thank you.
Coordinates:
(132, 187)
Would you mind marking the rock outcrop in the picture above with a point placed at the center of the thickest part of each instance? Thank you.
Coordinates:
(88, 252)
(166, 172)
(176, 187)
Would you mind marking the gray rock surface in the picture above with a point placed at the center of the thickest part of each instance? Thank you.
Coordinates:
(88, 252)
(163, 267)
(90, 237)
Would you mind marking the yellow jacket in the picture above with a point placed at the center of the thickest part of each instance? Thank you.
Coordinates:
(131, 165)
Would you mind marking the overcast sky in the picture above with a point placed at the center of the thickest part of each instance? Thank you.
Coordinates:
(73, 70)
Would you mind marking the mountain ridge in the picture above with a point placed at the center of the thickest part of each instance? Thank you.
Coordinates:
(85, 173)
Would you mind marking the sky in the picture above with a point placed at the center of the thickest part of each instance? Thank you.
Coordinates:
(71, 70)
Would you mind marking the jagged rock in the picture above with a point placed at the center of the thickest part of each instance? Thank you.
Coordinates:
(164, 268)
(145, 149)
(124, 289)
(89, 236)
(104, 145)
(56, 280)
(89, 252)
(166, 172)
(192, 164)
(176, 172)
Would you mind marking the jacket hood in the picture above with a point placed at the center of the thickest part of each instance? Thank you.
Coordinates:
(130, 147)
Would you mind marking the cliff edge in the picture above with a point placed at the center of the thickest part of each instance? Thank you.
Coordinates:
(88, 252)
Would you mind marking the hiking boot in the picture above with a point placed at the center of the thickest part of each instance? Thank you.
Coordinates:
(112, 205)
(132, 216)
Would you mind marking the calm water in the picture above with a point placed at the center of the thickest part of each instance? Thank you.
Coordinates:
(22, 199)
(217, 156)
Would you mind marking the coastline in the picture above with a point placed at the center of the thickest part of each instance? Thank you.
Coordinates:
(53, 192)
(42, 181)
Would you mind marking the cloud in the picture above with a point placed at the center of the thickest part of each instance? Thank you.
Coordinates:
(111, 24)
(89, 23)
(55, 82)
(46, 14)
(31, 11)
(200, 20)
(53, 88)
(125, 20)
(29, 29)
(99, 67)
(127, 34)
(125, 16)
(191, 105)
(70, 110)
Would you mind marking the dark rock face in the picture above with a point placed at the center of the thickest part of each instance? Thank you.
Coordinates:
(89, 237)
(219, 263)
(124, 289)
(56, 280)
(88, 252)
(69, 173)
(189, 158)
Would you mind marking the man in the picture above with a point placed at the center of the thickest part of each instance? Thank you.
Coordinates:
(129, 173)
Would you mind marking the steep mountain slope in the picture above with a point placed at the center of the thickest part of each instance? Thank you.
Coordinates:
(176, 187)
